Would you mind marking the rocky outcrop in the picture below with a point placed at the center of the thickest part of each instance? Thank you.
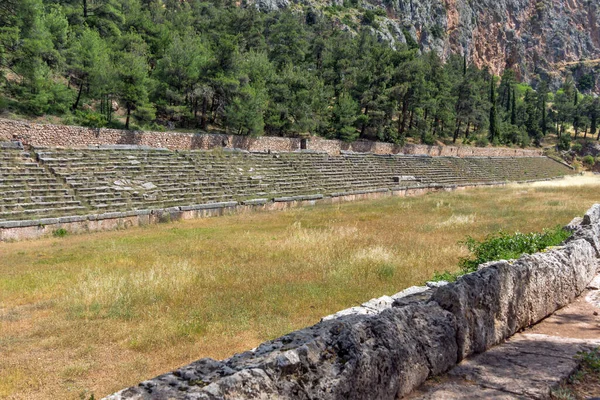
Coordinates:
(389, 346)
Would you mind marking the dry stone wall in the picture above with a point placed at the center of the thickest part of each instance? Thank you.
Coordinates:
(389, 346)
(47, 135)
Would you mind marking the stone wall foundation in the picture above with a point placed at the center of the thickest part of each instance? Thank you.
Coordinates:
(48, 135)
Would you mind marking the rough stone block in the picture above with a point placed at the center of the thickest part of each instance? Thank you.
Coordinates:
(592, 216)
(75, 218)
(502, 298)
(255, 202)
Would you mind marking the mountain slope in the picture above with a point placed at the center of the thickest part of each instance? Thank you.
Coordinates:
(530, 36)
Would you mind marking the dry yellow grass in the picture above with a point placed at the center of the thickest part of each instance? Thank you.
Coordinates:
(95, 313)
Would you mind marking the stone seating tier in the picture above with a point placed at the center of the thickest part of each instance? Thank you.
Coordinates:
(28, 190)
(59, 182)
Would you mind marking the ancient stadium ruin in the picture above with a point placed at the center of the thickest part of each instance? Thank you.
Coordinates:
(100, 187)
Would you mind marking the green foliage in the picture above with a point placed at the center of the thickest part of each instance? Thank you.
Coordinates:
(564, 143)
(91, 119)
(589, 160)
(503, 246)
(412, 44)
(369, 18)
(203, 65)
(344, 118)
(437, 31)
(60, 232)
(577, 147)
(590, 359)
(482, 142)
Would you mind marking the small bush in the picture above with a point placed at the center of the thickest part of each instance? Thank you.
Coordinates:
(368, 17)
(576, 147)
(564, 143)
(482, 141)
(3, 104)
(503, 246)
(60, 232)
(428, 139)
(90, 119)
(591, 359)
(589, 161)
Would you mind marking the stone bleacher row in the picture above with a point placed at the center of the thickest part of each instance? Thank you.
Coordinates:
(61, 182)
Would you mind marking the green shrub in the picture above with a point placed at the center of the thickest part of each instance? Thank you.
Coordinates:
(60, 232)
(576, 147)
(3, 104)
(482, 141)
(428, 139)
(564, 143)
(369, 18)
(503, 246)
(90, 119)
(589, 161)
(591, 359)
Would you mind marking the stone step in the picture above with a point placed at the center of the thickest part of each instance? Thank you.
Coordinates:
(43, 212)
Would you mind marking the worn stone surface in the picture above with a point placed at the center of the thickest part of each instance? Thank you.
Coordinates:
(460, 389)
(529, 365)
(592, 216)
(525, 367)
(587, 228)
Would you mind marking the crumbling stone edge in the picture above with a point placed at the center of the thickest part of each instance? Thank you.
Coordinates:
(388, 346)
(37, 228)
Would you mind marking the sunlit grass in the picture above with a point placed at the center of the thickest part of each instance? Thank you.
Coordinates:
(95, 313)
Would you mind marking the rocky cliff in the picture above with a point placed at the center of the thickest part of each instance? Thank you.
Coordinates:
(535, 37)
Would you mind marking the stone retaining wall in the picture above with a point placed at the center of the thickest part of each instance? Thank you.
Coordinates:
(47, 135)
(388, 346)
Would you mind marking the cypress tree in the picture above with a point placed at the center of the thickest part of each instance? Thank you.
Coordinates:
(508, 102)
(493, 133)
(576, 113)
(513, 110)
(543, 93)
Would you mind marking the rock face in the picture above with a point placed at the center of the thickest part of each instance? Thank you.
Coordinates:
(532, 36)
(389, 346)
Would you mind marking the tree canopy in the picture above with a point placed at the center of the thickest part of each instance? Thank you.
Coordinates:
(219, 65)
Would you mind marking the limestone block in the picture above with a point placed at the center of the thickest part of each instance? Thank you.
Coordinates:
(592, 216)
(502, 298)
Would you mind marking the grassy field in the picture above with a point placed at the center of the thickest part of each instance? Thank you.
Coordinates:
(96, 313)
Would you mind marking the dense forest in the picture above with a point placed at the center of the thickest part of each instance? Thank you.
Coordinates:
(222, 65)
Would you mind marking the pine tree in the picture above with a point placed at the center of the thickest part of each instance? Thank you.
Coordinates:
(344, 116)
